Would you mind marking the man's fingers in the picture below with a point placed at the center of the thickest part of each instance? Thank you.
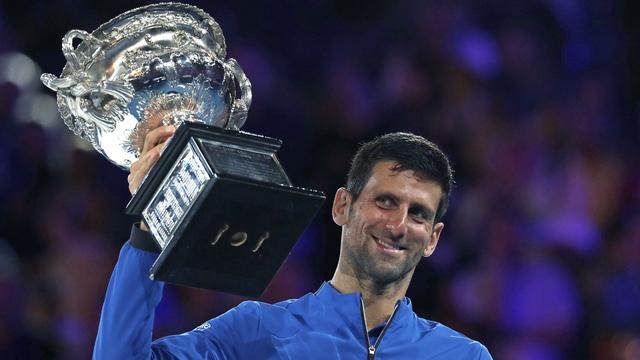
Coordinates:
(141, 167)
(154, 142)
(146, 163)
(157, 136)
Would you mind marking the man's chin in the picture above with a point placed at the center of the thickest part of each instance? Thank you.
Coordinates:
(380, 268)
(386, 274)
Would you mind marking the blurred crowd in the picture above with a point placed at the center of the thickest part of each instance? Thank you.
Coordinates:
(532, 100)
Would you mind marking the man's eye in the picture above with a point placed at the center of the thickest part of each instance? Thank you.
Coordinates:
(384, 202)
(419, 215)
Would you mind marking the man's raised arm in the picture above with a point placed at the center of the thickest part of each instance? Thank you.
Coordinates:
(126, 320)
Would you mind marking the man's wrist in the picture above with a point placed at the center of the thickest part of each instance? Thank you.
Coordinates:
(141, 239)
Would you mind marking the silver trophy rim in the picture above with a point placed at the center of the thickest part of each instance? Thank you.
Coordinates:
(101, 31)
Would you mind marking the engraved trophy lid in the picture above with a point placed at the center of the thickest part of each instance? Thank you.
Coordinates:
(158, 64)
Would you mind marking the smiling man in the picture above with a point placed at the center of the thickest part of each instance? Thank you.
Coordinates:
(391, 217)
(397, 192)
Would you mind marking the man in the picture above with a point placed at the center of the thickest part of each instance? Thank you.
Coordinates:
(390, 213)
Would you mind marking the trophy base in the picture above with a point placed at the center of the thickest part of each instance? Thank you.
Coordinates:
(222, 209)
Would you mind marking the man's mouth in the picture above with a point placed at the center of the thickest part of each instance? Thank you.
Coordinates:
(387, 245)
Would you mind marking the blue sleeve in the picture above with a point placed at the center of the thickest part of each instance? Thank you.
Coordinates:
(231, 335)
(126, 320)
(484, 353)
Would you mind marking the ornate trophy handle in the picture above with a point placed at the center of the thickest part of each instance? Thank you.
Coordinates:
(78, 91)
(77, 59)
(242, 101)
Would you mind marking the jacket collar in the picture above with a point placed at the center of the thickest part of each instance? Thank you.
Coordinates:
(348, 305)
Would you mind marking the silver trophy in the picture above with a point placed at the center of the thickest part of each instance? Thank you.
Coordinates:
(217, 202)
(163, 63)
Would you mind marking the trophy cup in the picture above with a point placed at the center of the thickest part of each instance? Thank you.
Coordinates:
(218, 203)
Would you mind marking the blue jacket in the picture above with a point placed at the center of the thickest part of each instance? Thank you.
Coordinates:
(321, 325)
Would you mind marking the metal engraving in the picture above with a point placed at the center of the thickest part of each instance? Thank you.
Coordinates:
(261, 240)
(238, 239)
(221, 231)
(176, 195)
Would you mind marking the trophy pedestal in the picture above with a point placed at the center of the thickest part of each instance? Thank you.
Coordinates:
(222, 210)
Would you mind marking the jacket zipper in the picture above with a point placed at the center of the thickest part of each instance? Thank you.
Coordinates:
(372, 348)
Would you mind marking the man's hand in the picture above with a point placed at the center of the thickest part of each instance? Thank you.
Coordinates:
(154, 142)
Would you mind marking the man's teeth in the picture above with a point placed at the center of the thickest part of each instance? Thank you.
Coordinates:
(387, 245)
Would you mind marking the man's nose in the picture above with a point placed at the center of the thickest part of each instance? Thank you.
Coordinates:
(396, 223)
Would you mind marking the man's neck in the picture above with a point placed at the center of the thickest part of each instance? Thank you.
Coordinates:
(379, 300)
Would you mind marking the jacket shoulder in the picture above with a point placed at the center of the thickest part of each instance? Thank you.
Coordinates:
(451, 343)
(256, 318)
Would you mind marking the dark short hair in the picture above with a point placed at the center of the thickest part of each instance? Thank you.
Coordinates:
(410, 152)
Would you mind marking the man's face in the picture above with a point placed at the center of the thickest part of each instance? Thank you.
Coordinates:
(390, 227)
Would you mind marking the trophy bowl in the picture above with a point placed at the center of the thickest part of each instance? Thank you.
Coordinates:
(158, 64)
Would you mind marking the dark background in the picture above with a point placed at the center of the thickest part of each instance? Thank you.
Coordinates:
(535, 102)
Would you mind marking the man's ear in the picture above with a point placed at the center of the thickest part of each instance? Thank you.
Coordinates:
(341, 205)
(433, 239)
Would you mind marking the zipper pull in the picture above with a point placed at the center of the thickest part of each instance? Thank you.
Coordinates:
(372, 352)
